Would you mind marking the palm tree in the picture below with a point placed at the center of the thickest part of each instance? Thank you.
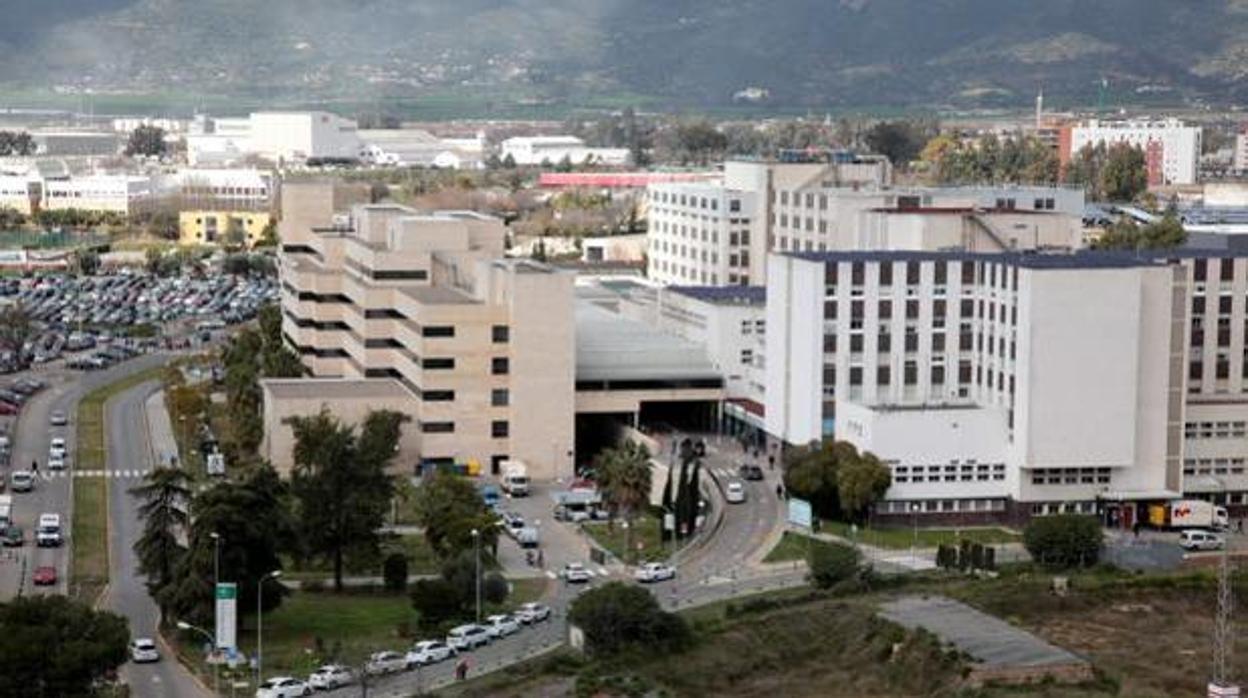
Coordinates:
(624, 478)
(165, 499)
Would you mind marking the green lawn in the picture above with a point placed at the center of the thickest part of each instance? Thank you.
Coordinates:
(902, 538)
(792, 546)
(89, 538)
(645, 532)
(420, 560)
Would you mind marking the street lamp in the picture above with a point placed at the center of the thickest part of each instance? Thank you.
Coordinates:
(260, 623)
(914, 546)
(216, 666)
(476, 547)
(216, 558)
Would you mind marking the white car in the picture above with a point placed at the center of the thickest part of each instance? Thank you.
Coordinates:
(502, 625)
(428, 652)
(59, 419)
(57, 449)
(654, 572)
(530, 613)
(385, 663)
(21, 481)
(329, 677)
(1200, 540)
(575, 573)
(735, 493)
(466, 637)
(56, 464)
(142, 650)
(283, 687)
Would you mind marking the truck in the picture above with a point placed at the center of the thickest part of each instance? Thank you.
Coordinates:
(515, 479)
(1188, 513)
(490, 495)
(6, 510)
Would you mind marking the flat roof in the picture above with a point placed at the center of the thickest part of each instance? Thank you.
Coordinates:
(438, 295)
(334, 388)
(1085, 259)
(726, 295)
(614, 347)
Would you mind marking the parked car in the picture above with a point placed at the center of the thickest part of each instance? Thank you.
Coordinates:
(575, 573)
(44, 575)
(654, 572)
(735, 493)
(283, 687)
(751, 472)
(428, 652)
(14, 537)
(56, 464)
(21, 481)
(502, 625)
(143, 650)
(58, 419)
(8, 409)
(466, 637)
(329, 677)
(533, 612)
(386, 662)
(48, 534)
(1200, 540)
(57, 449)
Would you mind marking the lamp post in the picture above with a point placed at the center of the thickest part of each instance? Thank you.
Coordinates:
(216, 666)
(914, 546)
(476, 548)
(216, 582)
(260, 623)
(216, 558)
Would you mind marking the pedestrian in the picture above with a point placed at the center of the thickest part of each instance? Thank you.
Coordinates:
(34, 466)
(541, 559)
(779, 491)
(771, 462)
(1135, 529)
(1239, 526)
(461, 669)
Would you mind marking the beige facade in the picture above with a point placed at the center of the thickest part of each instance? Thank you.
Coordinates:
(483, 348)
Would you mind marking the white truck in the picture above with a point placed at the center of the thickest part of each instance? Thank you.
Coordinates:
(515, 480)
(6, 510)
(1188, 513)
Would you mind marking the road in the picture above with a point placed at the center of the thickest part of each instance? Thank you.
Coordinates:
(129, 451)
(32, 434)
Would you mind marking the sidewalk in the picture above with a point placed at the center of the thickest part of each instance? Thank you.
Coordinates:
(160, 430)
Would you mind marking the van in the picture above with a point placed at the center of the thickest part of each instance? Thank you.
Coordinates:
(49, 531)
(466, 637)
(1200, 540)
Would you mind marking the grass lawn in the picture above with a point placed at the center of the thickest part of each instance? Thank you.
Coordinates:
(792, 546)
(420, 560)
(645, 532)
(903, 538)
(89, 538)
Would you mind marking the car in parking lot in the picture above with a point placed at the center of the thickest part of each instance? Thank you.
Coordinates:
(428, 652)
(575, 573)
(502, 625)
(734, 493)
(387, 662)
(329, 677)
(143, 650)
(45, 575)
(13, 536)
(533, 612)
(466, 637)
(283, 687)
(21, 481)
(654, 572)
(58, 419)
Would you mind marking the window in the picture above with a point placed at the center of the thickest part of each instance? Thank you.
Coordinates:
(500, 397)
(886, 310)
(500, 429)
(855, 375)
(501, 334)
(886, 274)
(747, 357)
(882, 375)
(437, 427)
(438, 331)
(438, 396)
(500, 365)
(438, 364)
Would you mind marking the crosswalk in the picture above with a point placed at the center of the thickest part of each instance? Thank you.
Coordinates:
(115, 474)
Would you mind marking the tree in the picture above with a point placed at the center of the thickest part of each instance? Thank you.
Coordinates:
(16, 143)
(861, 482)
(16, 329)
(341, 485)
(394, 572)
(623, 475)
(899, 141)
(86, 261)
(1064, 540)
(618, 616)
(54, 646)
(449, 507)
(1125, 174)
(165, 497)
(436, 601)
(268, 236)
(1125, 234)
(147, 141)
(830, 564)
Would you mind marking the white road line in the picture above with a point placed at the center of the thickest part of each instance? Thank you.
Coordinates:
(551, 574)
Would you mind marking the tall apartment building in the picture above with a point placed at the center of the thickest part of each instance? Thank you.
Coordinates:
(1000, 386)
(399, 307)
(720, 233)
(1171, 147)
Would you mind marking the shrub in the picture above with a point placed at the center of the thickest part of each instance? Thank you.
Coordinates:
(1063, 541)
(618, 616)
(435, 600)
(494, 588)
(831, 564)
(394, 572)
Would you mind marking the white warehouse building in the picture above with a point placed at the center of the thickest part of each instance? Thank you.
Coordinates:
(281, 137)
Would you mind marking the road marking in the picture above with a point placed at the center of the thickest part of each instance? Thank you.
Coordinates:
(551, 574)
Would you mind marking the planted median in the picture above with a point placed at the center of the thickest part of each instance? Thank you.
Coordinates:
(89, 540)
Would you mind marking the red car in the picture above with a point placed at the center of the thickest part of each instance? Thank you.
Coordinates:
(7, 408)
(45, 575)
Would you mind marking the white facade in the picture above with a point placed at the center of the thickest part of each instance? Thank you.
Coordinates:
(1240, 160)
(123, 194)
(1179, 143)
(276, 136)
(551, 150)
(229, 189)
(701, 234)
(1046, 380)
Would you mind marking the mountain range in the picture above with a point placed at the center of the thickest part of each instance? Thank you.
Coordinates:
(798, 54)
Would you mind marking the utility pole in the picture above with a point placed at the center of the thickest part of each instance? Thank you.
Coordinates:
(1223, 633)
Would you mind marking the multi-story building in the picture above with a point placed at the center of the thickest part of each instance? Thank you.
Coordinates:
(1002, 385)
(551, 150)
(21, 193)
(1239, 161)
(214, 204)
(1171, 147)
(280, 137)
(719, 233)
(124, 194)
(418, 310)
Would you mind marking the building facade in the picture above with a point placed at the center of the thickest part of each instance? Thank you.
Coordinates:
(123, 194)
(280, 137)
(1171, 148)
(552, 150)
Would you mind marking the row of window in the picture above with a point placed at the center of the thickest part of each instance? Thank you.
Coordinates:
(1215, 430)
(968, 472)
(1213, 466)
(937, 506)
(703, 202)
(990, 275)
(499, 429)
(1070, 476)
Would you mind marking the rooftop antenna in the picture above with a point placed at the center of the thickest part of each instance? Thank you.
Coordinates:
(1039, 107)
(1102, 95)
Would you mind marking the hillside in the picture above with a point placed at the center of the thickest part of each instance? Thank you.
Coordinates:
(804, 53)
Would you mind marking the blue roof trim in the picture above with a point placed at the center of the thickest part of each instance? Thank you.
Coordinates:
(723, 294)
(1088, 259)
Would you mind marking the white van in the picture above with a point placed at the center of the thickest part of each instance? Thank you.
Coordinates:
(1200, 540)
(466, 637)
(49, 532)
